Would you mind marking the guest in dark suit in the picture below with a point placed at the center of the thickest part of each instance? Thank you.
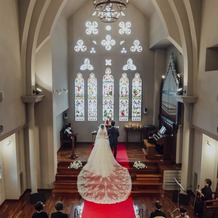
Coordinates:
(59, 214)
(113, 134)
(39, 213)
(158, 211)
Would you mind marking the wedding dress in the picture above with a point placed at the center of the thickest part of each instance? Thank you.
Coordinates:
(103, 180)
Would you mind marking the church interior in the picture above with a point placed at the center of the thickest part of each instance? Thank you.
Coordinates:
(152, 68)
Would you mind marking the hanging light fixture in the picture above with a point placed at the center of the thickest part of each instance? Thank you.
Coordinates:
(109, 10)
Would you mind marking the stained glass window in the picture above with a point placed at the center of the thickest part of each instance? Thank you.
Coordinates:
(136, 97)
(108, 94)
(79, 98)
(110, 39)
(124, 98)
(92, 98)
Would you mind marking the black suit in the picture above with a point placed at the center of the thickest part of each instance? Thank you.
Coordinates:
(113, 134)
(199, 203)
(59, 214)
(157, 213)
(42, 214)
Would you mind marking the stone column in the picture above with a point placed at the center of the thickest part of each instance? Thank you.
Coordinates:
(33, 148)
(187, 101)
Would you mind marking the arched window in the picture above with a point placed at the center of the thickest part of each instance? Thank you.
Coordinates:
(79, 98)
(124, 98)
(92, 98)
(136, 98)
(108, 94)
(100, 49)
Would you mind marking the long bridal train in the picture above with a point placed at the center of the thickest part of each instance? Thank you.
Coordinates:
(103, 180)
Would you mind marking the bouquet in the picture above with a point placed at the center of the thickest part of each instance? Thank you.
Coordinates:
(75, 164)
(139, 165)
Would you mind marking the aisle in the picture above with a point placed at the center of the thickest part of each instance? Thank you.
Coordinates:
(123, 209)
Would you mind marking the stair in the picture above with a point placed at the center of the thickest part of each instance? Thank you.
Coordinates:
(65, 180)
(147, 181)
(144, 181)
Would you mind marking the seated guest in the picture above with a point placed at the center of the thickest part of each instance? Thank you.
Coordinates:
(39, 213)
(68, 133)
(183, 213)
(158, 211)
(59, 208)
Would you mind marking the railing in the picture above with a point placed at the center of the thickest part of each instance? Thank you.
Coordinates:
(211, 208)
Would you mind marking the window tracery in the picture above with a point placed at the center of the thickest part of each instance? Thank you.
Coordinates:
(136, 97)
(79, 98)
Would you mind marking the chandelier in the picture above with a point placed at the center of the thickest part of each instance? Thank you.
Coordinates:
(110, 10)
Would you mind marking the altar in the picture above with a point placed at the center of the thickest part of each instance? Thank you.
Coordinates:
(132, 130)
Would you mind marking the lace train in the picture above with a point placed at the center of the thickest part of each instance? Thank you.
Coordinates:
(106, 190)
(103, 179)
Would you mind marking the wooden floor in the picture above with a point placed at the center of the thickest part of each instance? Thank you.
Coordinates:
(22, 208)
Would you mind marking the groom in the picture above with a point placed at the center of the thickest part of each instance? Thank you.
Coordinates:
(113, 134)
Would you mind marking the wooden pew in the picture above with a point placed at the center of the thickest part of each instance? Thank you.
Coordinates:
(211, 208)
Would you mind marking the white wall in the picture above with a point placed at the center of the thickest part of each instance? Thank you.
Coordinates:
(12, 79)
(2, 188)
(205, 113)
(51, 75)
(59, 77)
(10, 175)
(43, 114)
(59, 43)
(209, 161)
(157, 32)
(12, 108)
(60, 80)
(204, 157)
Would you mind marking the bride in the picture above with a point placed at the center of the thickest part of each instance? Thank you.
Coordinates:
(103, 180)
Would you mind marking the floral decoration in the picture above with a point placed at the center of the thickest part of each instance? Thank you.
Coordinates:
(75, 164)
(139, 165)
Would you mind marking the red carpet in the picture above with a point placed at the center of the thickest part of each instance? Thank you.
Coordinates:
(119, 210)
(122, 157)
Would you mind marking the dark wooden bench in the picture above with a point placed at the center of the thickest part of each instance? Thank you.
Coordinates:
(211, 208)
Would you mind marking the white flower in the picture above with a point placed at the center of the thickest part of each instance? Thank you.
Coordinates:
(139, 165)
(75, 165)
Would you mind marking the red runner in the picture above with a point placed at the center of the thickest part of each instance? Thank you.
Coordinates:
(119, 210)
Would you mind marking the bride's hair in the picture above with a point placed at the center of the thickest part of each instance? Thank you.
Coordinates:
(101, 129)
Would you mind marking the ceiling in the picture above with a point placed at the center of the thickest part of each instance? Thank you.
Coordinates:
(145, 6)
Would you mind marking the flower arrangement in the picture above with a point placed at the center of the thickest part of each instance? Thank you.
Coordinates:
(139, 165)
(75, 164)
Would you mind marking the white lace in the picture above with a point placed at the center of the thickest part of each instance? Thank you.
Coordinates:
(102, 179)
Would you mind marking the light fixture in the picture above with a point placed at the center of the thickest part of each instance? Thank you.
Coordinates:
(37, 91)
(110, 10)
(59, 91)
(65, 90)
